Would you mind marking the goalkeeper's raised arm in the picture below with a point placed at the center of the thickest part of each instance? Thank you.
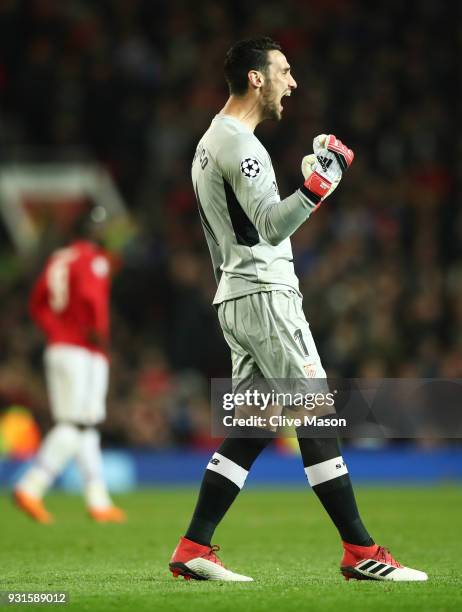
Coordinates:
(247, 167)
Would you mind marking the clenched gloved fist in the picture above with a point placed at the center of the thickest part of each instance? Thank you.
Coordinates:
(323, 170)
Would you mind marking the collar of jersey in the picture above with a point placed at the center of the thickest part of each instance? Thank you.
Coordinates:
(233, 120)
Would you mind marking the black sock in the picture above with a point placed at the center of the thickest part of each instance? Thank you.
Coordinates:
(334, 492)
(233, 459)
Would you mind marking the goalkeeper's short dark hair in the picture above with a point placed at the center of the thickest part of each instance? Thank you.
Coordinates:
(245, 55)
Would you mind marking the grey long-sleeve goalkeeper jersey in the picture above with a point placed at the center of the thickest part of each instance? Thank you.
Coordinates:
(246, 225)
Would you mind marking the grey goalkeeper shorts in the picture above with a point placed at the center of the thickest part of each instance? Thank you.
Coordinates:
(269, 337)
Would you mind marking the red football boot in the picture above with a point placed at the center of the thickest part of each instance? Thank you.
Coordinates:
(192, 560)
(375, 563)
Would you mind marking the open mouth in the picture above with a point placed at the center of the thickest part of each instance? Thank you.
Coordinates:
(287, 93)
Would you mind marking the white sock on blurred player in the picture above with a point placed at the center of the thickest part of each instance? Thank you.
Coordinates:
(91, 465)
(59, 446)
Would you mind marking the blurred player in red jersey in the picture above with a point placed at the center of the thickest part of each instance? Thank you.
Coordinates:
(70, 304)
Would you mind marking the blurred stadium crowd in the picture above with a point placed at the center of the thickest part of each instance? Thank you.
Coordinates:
(134, 84)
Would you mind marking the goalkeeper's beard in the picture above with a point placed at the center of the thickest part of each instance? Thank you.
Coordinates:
(270, 105)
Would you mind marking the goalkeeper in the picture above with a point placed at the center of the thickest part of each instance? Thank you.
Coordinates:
(248, 229)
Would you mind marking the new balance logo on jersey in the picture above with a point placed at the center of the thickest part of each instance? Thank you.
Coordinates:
(215, 461)
(325, 162)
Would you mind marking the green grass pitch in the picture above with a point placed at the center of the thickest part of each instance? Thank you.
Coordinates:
(280, 537)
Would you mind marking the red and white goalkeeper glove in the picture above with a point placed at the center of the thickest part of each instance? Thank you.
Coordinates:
(323, 170)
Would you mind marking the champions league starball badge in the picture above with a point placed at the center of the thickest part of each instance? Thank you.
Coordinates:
(250, 167)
